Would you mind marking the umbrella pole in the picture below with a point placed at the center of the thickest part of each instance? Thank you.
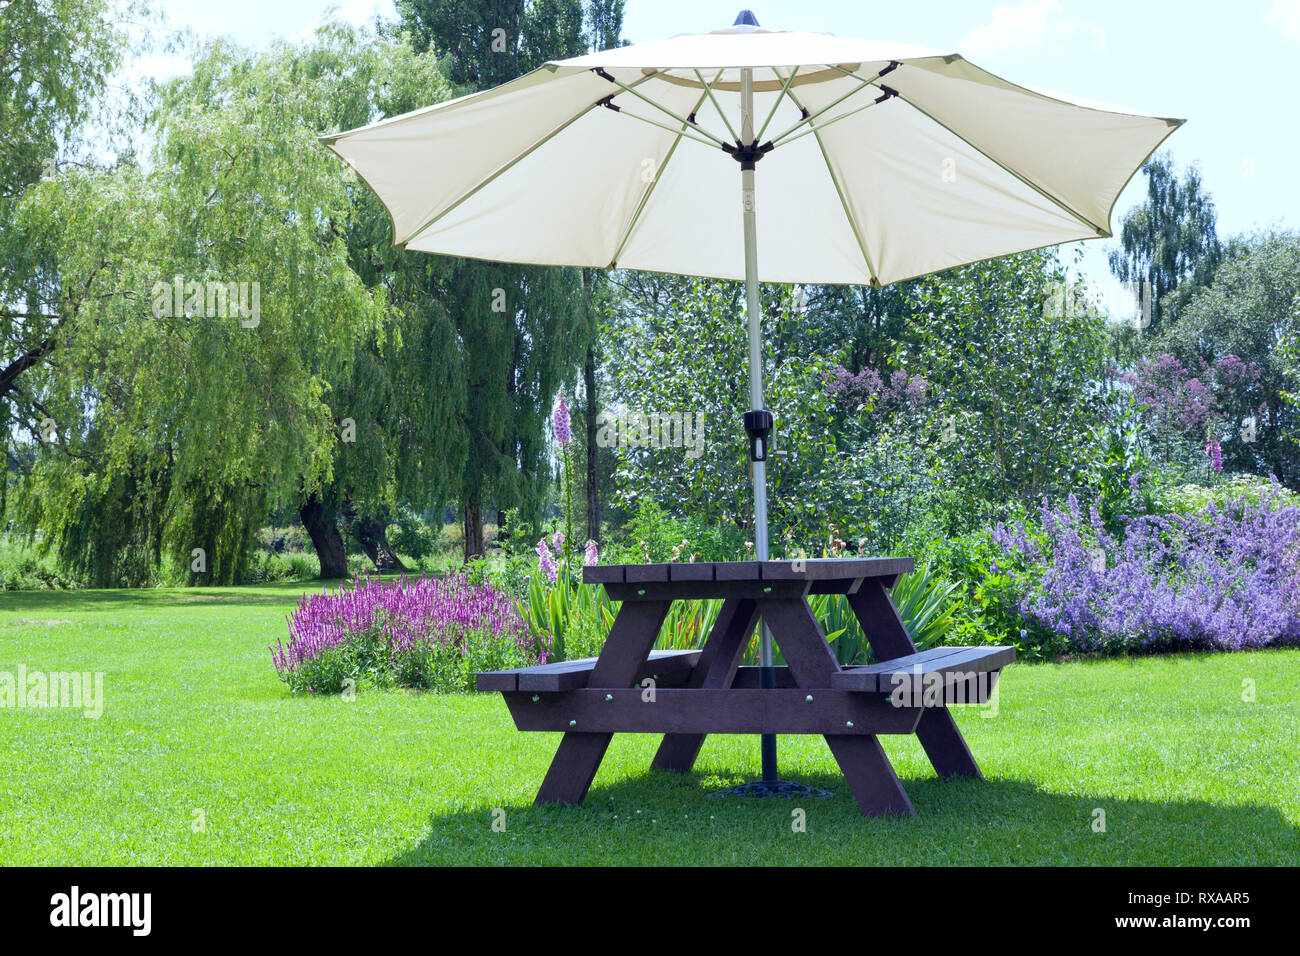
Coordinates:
(759, 465)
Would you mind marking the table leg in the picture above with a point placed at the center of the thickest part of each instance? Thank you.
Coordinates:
(862, 760)
(937, 731)
(716, 669)
(870, 775)
(579, 755)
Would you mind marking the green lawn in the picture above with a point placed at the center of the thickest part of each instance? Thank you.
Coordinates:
(195, 719)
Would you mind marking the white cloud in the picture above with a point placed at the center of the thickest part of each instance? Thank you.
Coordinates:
(1031, 23)
(1286, 15)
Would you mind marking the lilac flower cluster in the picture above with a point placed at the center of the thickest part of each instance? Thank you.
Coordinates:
(1228, 578)
(902, 392)
(1190, 401)
(406, 615)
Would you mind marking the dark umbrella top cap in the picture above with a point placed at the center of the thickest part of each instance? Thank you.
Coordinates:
(746, 18)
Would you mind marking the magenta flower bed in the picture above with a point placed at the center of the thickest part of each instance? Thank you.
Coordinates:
(402, 627)
(1228, 578)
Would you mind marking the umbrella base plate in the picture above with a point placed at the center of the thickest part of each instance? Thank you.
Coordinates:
(772, 788)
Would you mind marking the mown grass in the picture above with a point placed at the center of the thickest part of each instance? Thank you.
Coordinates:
(1185, 770)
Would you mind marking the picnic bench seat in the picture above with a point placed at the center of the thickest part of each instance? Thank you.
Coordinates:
(687, 694)
(960, 666)
(661, 666)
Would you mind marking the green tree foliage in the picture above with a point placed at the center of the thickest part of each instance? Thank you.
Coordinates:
(1016, 382)
(186, 419)
(678, 347)
(55, 58)
(867, 324)
(1250, 310)
(1169, 240)
(523, 330)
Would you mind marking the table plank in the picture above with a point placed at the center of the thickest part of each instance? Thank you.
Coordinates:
(713, 711)
(804, 569)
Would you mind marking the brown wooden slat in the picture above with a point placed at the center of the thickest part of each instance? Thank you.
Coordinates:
(638, 573)
(884, 676)
(924, 658)
(809, 569)
(735, 571)
(696, 590)
(748, 677)
(834, 569)
(690, 571)
(496, 680)
(603, 574)
(569, 675)
(721, 711)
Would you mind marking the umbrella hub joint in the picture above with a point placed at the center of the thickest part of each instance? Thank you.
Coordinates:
(748, 154)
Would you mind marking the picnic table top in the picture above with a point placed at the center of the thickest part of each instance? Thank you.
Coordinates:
(800, 569)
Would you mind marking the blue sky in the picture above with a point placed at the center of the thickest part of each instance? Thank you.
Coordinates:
(1233, 71)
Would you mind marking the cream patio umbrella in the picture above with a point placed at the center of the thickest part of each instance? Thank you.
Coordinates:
(879, 162)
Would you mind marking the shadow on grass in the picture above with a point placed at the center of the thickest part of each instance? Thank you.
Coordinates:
(671, 819)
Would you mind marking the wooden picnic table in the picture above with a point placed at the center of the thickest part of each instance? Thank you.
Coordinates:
(686, 695)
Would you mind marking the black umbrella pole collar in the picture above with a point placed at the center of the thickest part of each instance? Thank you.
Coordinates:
(748, 155)
(758, 425)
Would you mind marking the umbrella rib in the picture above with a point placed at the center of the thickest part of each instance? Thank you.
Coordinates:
(664, 126)
(848, 214)
(519, 158)
(808, 118)
(636, 217)
(1008, 169)
(831, 122)
(599, 71)
(708, 91)
(784, 89)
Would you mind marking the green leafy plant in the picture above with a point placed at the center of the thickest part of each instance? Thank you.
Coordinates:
(557, 597)
(925, 605)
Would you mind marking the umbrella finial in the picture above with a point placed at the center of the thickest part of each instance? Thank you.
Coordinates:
(746, 18)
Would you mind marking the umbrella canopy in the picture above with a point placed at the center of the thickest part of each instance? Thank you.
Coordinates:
(887, 161)
(879, 162)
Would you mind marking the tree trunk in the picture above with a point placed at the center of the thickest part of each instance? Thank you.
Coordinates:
(325, 537)
(473, 527)
(372, 533)
(593, 487)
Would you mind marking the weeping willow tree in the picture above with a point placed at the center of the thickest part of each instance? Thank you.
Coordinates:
(205, 309)
(524, 330)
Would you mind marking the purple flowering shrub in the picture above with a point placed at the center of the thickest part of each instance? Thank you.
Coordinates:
(1226, 578)
(413, 632)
